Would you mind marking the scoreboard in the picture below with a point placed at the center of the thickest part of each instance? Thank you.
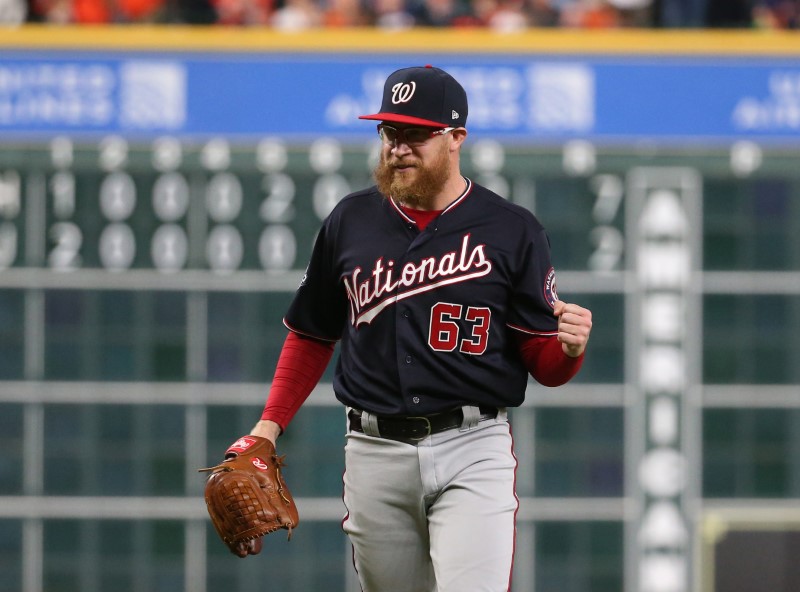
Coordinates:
(171, 207)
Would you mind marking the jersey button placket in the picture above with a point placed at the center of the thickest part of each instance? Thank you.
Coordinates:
(405, 359)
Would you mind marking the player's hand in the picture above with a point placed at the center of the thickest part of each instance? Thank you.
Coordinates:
(251, 547)
(574, 326)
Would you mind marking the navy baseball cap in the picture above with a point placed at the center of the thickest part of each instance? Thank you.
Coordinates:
(423, 96)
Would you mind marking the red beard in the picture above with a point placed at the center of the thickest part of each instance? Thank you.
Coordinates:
(423, 185)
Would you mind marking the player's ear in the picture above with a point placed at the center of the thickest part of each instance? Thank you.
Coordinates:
(458, 136)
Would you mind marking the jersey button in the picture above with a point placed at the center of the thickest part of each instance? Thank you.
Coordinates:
(408, 359)
(406, 314)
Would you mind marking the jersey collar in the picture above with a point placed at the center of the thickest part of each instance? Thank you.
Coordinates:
(453, 204)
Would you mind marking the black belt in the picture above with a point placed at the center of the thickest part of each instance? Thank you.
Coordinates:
(412, 429)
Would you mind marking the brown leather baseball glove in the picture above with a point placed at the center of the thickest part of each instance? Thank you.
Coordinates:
(247, 497)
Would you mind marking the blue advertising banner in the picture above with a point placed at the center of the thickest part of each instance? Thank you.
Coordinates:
(517, 98)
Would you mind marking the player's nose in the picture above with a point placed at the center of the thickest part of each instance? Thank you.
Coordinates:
(400, 148)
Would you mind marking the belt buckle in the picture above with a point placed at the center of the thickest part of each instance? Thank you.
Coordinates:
(428, 426)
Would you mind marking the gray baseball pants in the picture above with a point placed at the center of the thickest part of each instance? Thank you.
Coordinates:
(438, 516)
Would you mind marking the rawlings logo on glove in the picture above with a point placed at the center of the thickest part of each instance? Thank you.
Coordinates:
(247, 497)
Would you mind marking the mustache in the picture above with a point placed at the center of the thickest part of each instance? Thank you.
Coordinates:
(394, 161)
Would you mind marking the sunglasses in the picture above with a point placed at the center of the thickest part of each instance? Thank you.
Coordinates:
(410, 136)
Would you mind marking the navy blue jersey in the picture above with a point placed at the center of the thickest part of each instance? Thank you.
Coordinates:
(427, 319)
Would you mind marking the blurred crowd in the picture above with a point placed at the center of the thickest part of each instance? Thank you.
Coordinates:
(501, 15)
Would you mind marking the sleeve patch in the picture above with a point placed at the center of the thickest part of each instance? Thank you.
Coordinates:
(550, 291)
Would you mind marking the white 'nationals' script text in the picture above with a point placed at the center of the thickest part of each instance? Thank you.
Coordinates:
(386, 285)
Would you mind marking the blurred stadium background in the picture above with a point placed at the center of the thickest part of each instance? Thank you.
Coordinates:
(160, 188)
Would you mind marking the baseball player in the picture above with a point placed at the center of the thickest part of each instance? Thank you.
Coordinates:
(443, 300)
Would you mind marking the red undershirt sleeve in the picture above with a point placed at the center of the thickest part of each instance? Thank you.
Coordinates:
(300, 366)
(546, 361)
